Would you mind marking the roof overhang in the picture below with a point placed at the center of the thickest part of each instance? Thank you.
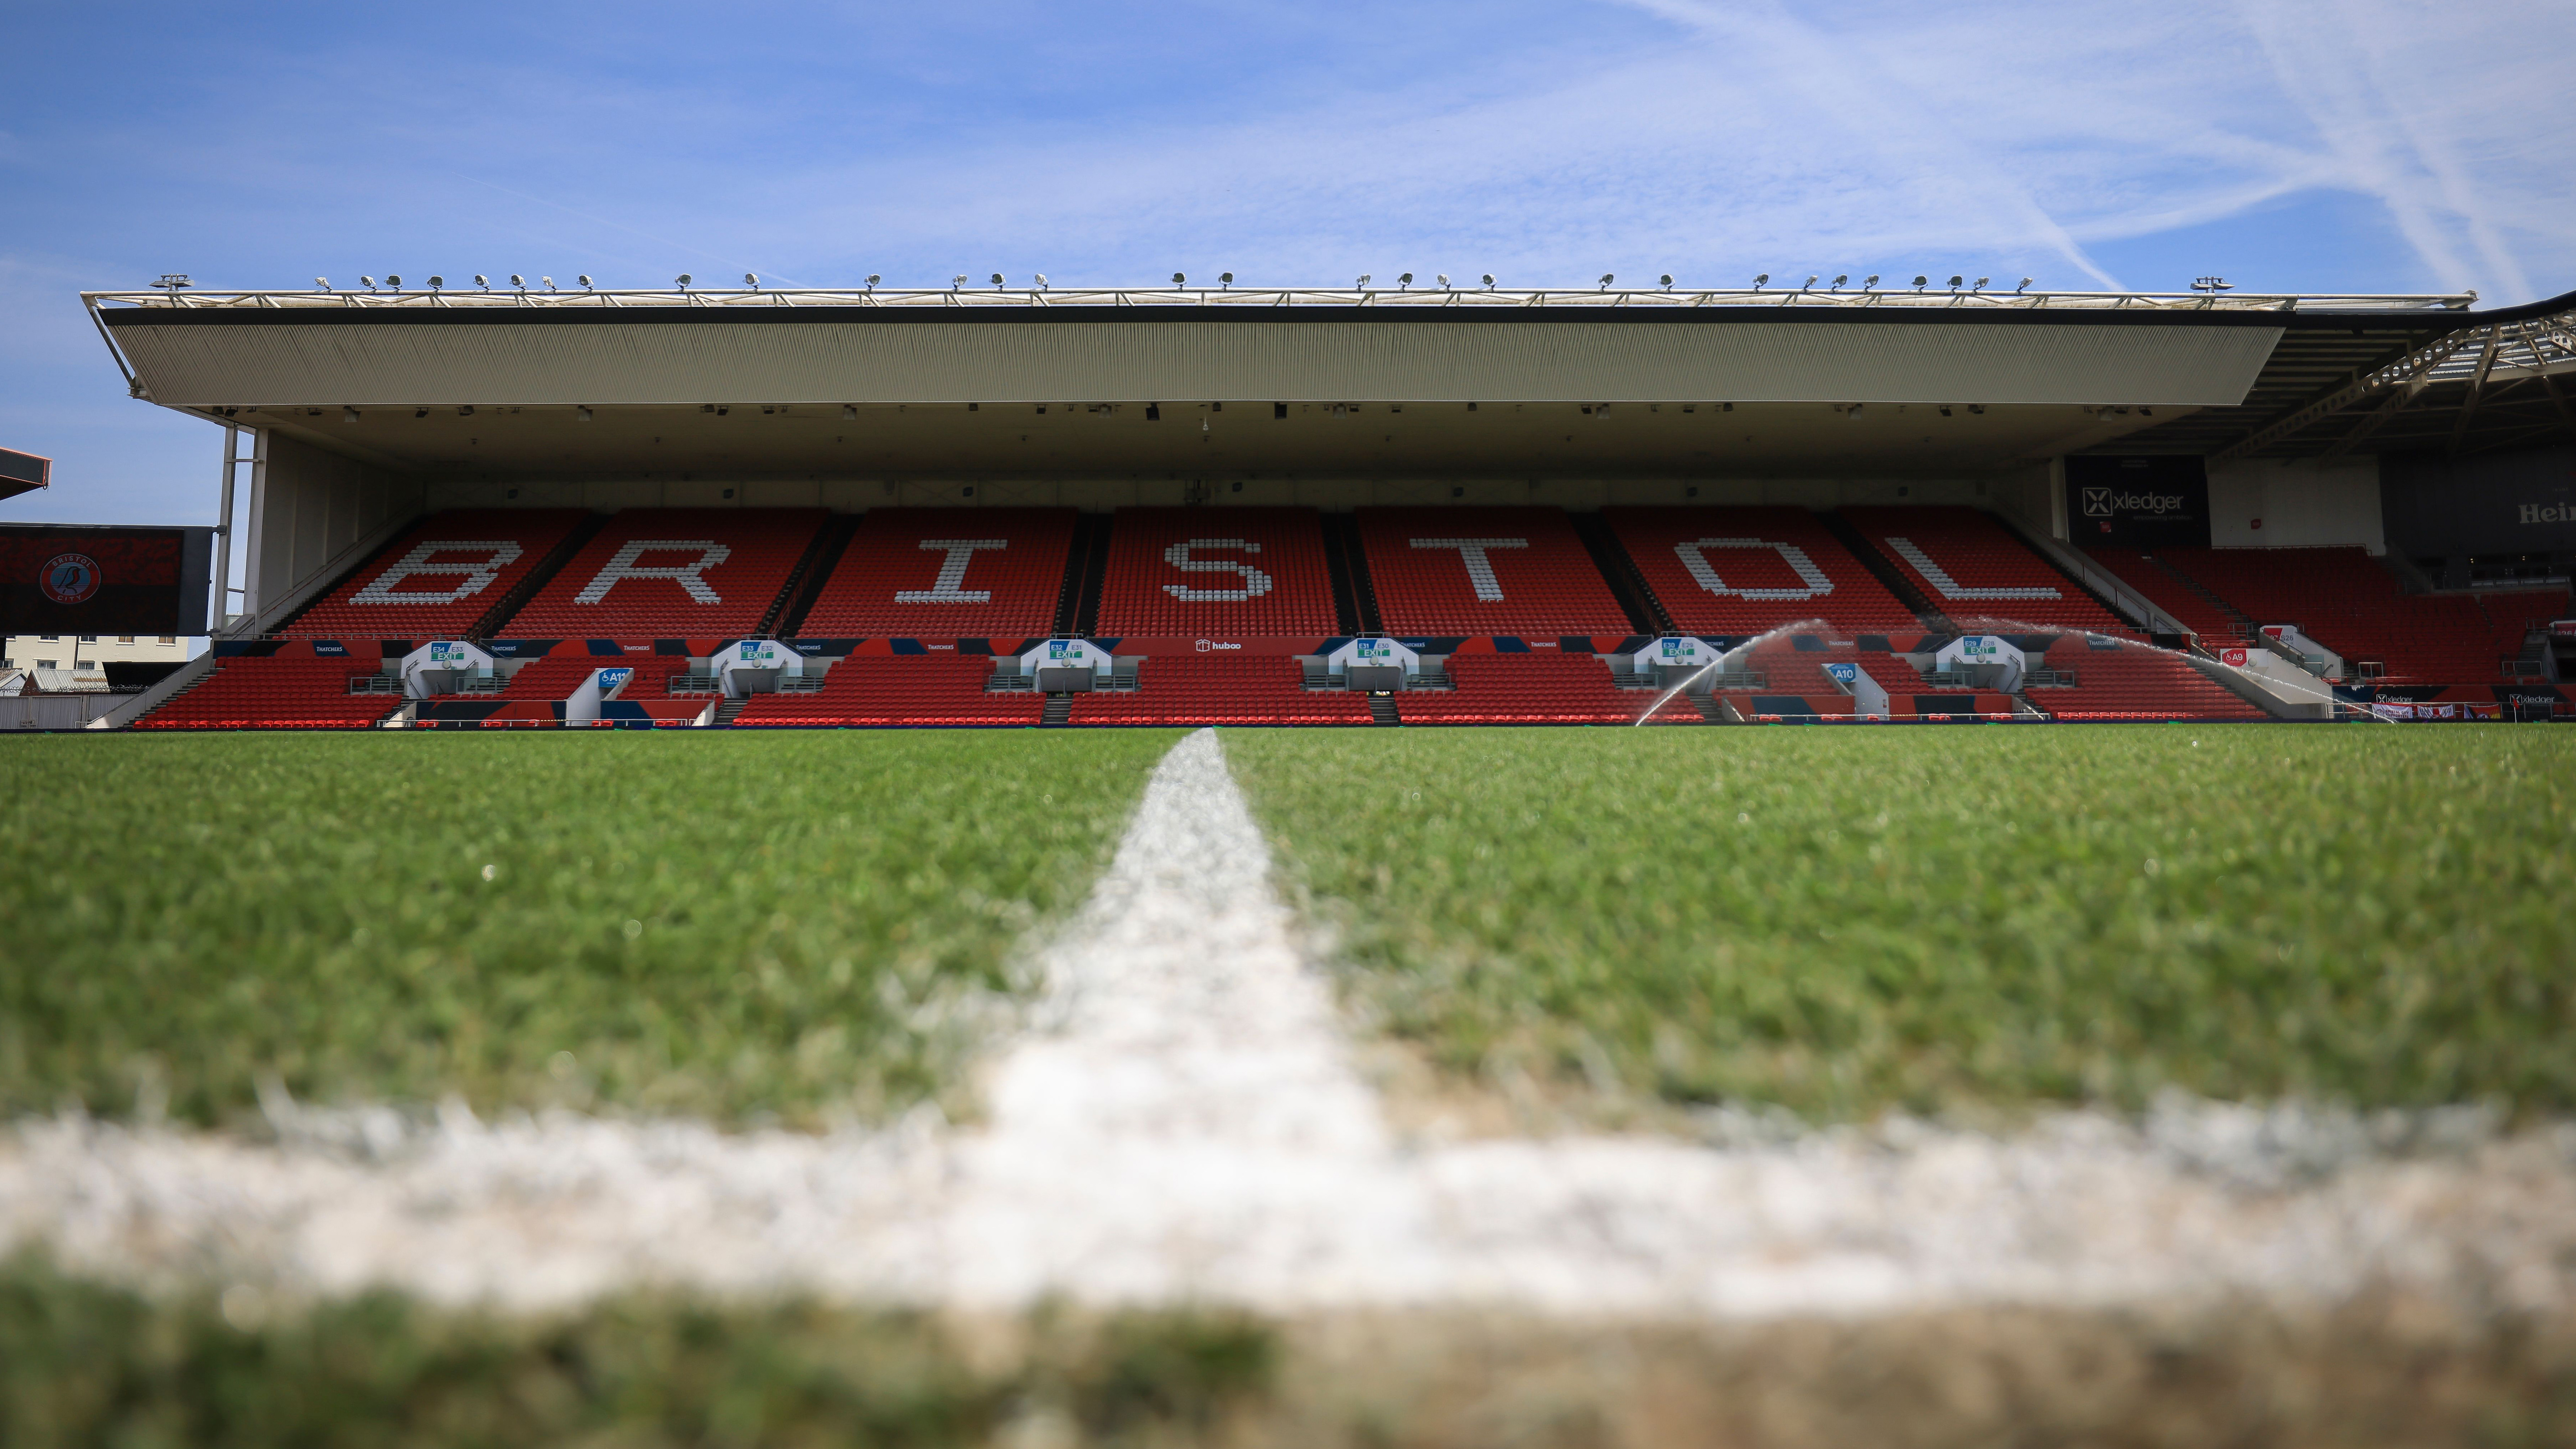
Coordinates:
(950, 381)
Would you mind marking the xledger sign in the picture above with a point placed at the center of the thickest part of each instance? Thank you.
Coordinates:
(56, 580)
(2160, 502)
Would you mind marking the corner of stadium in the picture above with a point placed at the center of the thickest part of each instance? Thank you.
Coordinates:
(789, 509)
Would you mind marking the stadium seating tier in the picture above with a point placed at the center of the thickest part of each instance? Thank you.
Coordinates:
(442, 576)
(1468, 571)
(1233, 572)
(878, 691)
(1543, 687)
(246, 692)
(920, 572)
(1974, 570)
(1220, 690)
(1748, 570)
(2350, 603)
(671, 573)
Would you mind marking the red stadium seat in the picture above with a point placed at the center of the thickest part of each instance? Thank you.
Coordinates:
(1749, 570)
(1232, 572)
(1470, 571)
(445, 573)
(1188, 689)
(2139, 570)
(877, 691)
(246, 693)
(2133, 682)
(656, 573)
(1541, 687)
(984, 573)
(2348, 602)
(1974, 570)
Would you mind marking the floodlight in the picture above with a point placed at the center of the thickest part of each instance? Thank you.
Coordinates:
(1042, 281)
(483, 281)
(1667, 280)
(584, 279)
(1363, 281)
(683, 281)
(172, 281)
(1921, 282)
(2024, 283)
(437, 282)
(393, 281)
(997, 281)
(1955, 281)
(751, 280)
(368, 282)
(873, 279)
(1811, 281)
(518, 281)
(1869, 281)
(1838, 282)
(849, 413)
(957, 281)
(1852, 412)
(1489, 281)
(1760, 280)
(321, 284)
(348, 415)
(1981, 284)
(1404, 281)
(581, 415)
(1225, 279)
(1179, 280)
(1606, 279)
(1444, 281)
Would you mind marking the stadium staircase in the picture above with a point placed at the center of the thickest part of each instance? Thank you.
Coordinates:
(1926, 613)
(729, 711)
(1646, 613)
(570, 546)
(1059, 709)
(812, 573)
(1095, 576)
(1349, 577)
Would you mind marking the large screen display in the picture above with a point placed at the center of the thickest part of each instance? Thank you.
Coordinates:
(56, 579)
(2154, 502)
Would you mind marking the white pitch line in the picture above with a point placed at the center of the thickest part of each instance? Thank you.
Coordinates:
(1184, 1124)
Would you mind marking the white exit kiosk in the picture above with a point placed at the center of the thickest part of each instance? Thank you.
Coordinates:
(1373, 666)
(1676, 657)
(1990, 661)
(1067, 666)
(442, 666)
(754, 666)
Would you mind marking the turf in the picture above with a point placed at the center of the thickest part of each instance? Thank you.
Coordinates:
(1842, 922)
(86, 1364)
(765, 926)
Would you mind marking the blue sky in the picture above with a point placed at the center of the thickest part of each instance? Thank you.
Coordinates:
(2357, 145)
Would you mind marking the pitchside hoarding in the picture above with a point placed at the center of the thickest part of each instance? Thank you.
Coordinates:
(57, 579)
(2155, 502)
(2435, 506)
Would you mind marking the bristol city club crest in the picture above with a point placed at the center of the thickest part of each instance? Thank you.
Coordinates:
(69, 578)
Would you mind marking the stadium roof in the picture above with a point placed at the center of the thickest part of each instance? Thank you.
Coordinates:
(877, 380)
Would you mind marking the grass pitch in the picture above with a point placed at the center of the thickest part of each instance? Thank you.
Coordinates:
(1847, 921)
(765, 925)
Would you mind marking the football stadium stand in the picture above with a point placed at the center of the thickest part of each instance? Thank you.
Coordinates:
(1541, 687)
(293, 693)
(1189, 689)
(1972, 568)
(976, 572)
(2133, 682)
(1748, 570)
(440, 577)
(2194, 607)
(1470, 571)
(878, 691)
(672, 572)
(1231, 572)
(2348, 602)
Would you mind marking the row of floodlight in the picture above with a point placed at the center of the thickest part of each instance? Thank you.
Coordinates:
(173, 281)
